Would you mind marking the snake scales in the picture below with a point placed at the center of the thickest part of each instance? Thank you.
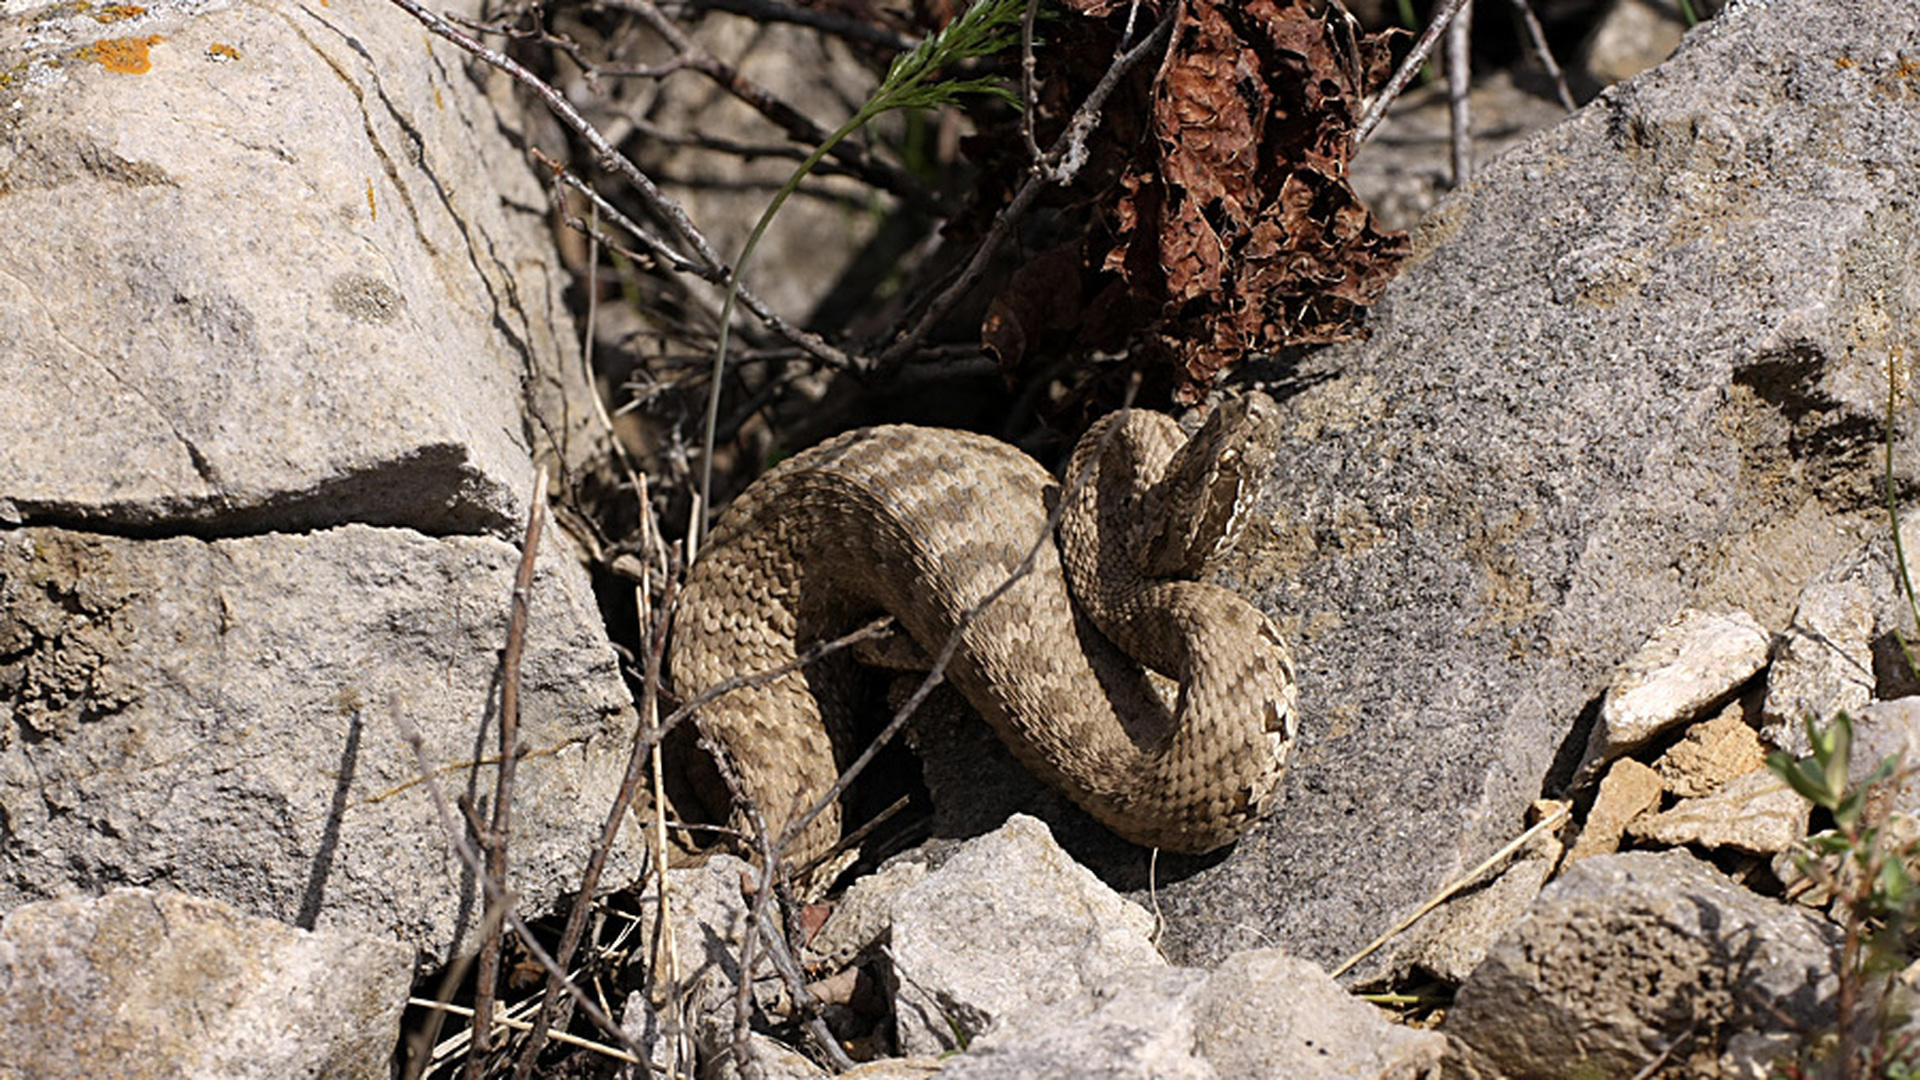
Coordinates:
(923, 524)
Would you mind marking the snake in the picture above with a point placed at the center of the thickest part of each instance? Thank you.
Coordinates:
(1163, 705)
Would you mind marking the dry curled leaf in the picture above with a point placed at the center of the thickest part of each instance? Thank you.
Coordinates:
(1229, 218)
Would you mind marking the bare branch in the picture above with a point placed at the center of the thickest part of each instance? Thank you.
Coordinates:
(797, 125)
(1421, 50)
(609, 832)
(497, 833)
(1060, 166)
(815, 345)
(668, 210)
(495, 893)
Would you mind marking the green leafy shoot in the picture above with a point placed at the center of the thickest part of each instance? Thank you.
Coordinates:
(1864, 865)
(985, 28)
(1821, 777)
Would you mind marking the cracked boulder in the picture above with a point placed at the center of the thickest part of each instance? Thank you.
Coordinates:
(283, 344)
(230, 717)
(268, 268)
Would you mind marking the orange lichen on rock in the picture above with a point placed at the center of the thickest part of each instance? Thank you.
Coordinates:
(118, 13)
(221, 51)
(127, 56)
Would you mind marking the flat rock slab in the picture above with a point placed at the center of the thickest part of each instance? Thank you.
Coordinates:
(1638, 366)
(258, 272)
(219, 716)
(1688, 668)
(140, 984)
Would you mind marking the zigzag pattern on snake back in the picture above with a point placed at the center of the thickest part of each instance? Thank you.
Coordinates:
(924, 524)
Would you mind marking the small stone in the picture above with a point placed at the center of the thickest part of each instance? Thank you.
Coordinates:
(1824, 664)
(1756, 813)
(1691, 665)
(1883, 729)
(1010, 925)
(1711, 754)
(1629, 790)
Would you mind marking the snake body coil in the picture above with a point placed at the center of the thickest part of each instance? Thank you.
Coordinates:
(924, 524)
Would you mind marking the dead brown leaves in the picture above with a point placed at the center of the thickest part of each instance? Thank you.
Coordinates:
(1226, 225)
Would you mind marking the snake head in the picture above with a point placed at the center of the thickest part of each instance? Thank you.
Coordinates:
(1202, 502)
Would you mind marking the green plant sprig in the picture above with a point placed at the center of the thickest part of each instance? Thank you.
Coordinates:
(985, 28)
(1868, 873)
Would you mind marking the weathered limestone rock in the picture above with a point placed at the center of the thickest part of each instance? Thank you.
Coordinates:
(1692, 664)
(1640, 365)
(142, 984)
(374, 333)
(1756, 813)
(1627, 956)
(1824, 664)
(225, 716)
(1009, 925)
(1628, 790)
(283, 339)
(1710, 754)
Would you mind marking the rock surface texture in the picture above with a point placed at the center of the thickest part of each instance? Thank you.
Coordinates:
(1640, 365)
(264, 459)
(1630, 957)
(142, 984)
(1011, 951)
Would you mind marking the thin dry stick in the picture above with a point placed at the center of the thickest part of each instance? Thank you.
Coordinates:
(815, 345)
(1459, 90)
(770, 870)
(787, 967)
(1537, 37)
(521, 1025)
(1054, 169)
(854, 157)
(666, 963)
(1388, 93)
(1551, 821)
(497, 833)
(494, 892)
(669, 211)
(597, 861)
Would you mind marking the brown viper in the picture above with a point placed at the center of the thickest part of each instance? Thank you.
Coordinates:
(923, 524)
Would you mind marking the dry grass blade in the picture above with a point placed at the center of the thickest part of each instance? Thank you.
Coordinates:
(1546, 824)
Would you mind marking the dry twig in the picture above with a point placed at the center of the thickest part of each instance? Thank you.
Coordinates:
(494, 892)
(496, 834)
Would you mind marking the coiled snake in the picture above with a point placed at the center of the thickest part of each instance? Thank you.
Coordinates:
(924, 524)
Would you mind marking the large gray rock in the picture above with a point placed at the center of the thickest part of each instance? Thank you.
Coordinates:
(1008, 926)
(1638, 366)
(291, 273)
(141, 984)
(215, 716)
(282, 327)
(1260, 1014)
(1630, 957)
